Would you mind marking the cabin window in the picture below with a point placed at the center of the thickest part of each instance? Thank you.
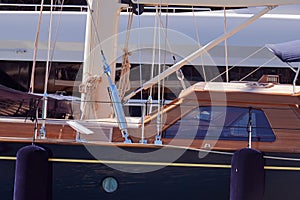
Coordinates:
(223, 123)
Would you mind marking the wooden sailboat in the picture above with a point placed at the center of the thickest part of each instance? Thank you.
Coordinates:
(182, 149)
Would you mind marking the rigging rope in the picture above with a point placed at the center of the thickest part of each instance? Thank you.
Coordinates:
(237, 63)
(140, 53)
(257, 68)
(165, 55)
(56, 33)
(48, 49)
(36, 42)
(159, 82)
(225, 46)
(153, 51)
(199, 44)
(124, 82)
(31, 88)
(160, 93)
(94, 24)
(89, 89)
(45, 96)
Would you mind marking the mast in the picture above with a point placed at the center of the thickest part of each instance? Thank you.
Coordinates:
(101, 31)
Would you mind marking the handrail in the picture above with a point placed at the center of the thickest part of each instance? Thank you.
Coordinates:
(35, 7)
(172, 9)
(295, 79)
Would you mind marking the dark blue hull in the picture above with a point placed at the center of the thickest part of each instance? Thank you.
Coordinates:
(77, 175)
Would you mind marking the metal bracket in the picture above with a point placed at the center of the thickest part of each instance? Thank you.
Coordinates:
(158, 140)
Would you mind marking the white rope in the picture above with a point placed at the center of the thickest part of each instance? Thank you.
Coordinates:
(159, 83)
(153, 51)
(140, 53)
(94, 23)
(199, 44)
(257, 68)
(129, 25)
(31, 88)
(124, 82)
(36, 42)
(165, 56)
(159, 94)
(88, 88)
(237, 64)
(45, 96)
(49, 49)
(225, 46)
(56, 32)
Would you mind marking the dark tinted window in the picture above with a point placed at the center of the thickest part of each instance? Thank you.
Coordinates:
(225, 123)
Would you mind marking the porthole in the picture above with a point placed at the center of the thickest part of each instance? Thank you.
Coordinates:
(110, 184)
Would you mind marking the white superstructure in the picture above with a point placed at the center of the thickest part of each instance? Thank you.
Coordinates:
(18, 29)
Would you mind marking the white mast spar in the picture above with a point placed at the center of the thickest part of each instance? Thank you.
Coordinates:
(100, 36)
(99, 91)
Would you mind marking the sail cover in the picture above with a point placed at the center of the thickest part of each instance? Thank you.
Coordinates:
(287, 51)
